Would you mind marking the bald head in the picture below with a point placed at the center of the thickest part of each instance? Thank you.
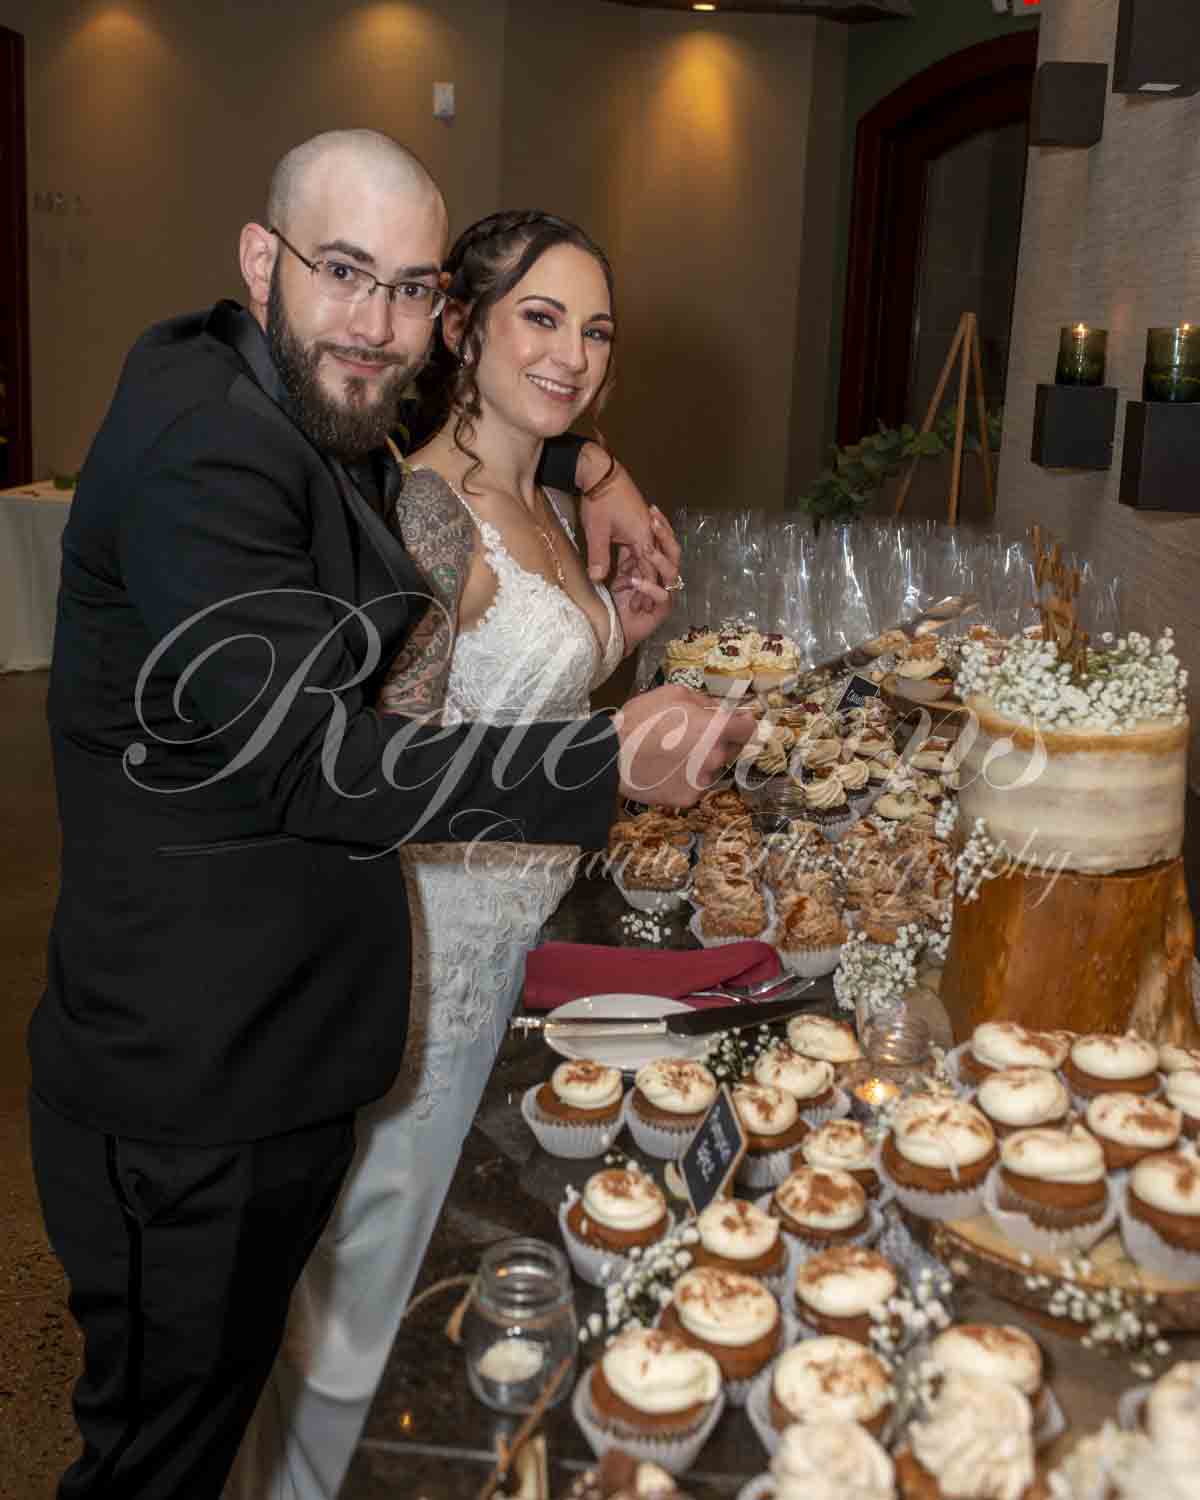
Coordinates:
(364, 156)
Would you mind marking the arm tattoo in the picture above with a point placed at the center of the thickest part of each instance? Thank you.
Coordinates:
(440, 537)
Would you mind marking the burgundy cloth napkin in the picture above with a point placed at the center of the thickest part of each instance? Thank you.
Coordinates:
(558, 972)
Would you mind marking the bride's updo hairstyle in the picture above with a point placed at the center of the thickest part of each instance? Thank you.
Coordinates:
(484, 264)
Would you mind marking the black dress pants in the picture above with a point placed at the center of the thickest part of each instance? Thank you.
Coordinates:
(181, 1261)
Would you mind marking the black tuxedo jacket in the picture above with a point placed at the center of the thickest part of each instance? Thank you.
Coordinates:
(230, 954)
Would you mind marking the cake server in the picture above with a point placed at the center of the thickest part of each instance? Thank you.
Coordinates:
(678, 1023)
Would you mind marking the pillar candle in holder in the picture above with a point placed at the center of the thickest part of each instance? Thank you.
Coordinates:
(1172, 364)
(1081, 352)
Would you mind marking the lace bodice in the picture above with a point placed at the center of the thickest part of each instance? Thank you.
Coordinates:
(534, 654)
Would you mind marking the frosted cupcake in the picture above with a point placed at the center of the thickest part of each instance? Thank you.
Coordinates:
(771, 1120)
(841, 1146)
(619, 1210)
(729, 667)
(1018, 1098)
(855, 776)
(730, 1316)
(1050, 1193)
(831, 1460)
(739, 1236)
(844, 1291)
(997, 1045)
(668, 1101)
(998, 1351)
(653, 1395)
(1111, 1064)
(830, 1379)
(1130, 1126)
(1160, 1221)
(819, 1209)
(809, 934)
(577, 1113)
(826, 802)
(774, 662)
(976, 1441)
(1182, 1090)
(690, 649)
(824, 1038)
(808, 1080)
(1171, 1059)
(937, 1157)
(1172, 1415)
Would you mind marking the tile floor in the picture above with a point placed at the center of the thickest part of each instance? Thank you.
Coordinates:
(38, 1343)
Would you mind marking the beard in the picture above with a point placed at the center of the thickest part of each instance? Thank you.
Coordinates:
(350, 428)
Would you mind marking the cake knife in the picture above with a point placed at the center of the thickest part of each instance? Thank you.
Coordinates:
(684, 1023)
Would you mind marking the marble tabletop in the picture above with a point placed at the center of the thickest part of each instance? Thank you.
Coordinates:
(427, 1438)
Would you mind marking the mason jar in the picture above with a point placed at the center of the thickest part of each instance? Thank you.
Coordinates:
(520, 1325)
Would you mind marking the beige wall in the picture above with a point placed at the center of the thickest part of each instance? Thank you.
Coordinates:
(165, 117)
(700, 151)
(1110, 235)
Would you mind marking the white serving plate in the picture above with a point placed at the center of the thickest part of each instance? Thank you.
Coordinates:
(625, 1052)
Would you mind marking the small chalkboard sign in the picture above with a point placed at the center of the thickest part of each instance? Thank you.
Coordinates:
(856, 693)
(713, 1153)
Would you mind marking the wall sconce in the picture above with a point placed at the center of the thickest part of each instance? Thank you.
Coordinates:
(1158, 48)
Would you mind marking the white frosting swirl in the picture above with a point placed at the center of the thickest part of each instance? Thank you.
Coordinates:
(998, 1351)
(1005, 1044)
(814, 752)
(831, 1460)
(1023, 1096)
(586, 1085)
(819, 1036)
(824, 794)
(1169, 1181)
(783, 1068)
(623, 1199)
(765, 1110)
(853, 774)
(831, 1377)
(1183, 1091)
(724, 1307)
(656, 1373)
(1172, 1058)
(1133, 1120)
(821, 1199)
(840, 1145)
(1114, 1057)
(943, 1134)
(1173, 1414)
(737, 1230)
(677, 1088)
(1068, 1155)
(845, 1282)
(977, 1441)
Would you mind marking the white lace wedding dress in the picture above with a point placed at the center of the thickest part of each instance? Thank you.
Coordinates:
(475, 914)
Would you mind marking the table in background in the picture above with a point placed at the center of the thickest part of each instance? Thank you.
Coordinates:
(427, 1438)
(32, 518)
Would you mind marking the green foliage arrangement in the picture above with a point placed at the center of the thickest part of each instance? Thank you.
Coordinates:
(844, 490)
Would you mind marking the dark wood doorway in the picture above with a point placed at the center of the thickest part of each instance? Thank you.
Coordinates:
(985, 88)
(16, 450)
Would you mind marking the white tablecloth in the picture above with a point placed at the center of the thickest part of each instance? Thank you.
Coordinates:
(32, 518)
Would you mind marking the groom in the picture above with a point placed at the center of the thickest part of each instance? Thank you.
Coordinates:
(229, 956)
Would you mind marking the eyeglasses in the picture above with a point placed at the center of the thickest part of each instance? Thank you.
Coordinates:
(342, 282)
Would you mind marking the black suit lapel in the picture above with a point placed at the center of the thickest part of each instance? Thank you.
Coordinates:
(234, 326)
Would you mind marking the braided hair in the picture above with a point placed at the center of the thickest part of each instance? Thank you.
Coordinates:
(484, 264)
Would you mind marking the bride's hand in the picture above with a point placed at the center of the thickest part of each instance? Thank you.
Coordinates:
(639, 586)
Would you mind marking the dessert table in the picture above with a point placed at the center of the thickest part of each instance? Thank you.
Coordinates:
(32, 518)
(428, 1438)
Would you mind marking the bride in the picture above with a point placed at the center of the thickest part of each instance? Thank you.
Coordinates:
(516, 632)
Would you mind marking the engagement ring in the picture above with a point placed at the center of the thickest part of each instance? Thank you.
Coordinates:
(677, 586)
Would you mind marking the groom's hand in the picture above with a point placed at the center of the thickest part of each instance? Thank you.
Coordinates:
(675, 743)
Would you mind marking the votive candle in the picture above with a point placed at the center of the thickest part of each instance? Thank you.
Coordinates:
(1081, 354)
(1172, 370)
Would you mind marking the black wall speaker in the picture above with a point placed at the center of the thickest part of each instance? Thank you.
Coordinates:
(1158, 48)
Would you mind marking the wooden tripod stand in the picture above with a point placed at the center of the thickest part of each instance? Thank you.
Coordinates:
(965, 347)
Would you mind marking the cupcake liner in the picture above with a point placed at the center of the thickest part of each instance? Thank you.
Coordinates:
(656, 903)
(656, 1140)
(765, 1169)
(676, 1455)
(1021, 1231)
(719, 942)
(1148, 1248)
(596, 1267)
(758, 1409)
(762, 1487)
(837, 1109)
(810, 963)
(963, 1203)
(571, 1142)
(1130, 1406)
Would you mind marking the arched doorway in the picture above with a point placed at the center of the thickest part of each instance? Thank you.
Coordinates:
(934, 226)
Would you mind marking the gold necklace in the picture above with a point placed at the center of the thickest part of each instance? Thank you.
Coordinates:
(548, 542)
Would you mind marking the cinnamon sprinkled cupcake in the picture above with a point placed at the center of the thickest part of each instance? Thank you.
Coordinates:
(940, 1147)
(730, 1316)
(739, 1236)
(808, 1080)
(771, 1119)
(1056, 1178)
(1112, 1064)
(830, 1377)
(823, 1038)
(841, 1146)
(1130, 1126)
(670, 1096)
(651, 1384)
(1182, 1089)
(999, 1351)
(1017, 1098)
(975, 1428)
(996, 1045)
(619, 1208)
(580, 1093)
(820, 1208)
(837, 1290)
(1164, 1192)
